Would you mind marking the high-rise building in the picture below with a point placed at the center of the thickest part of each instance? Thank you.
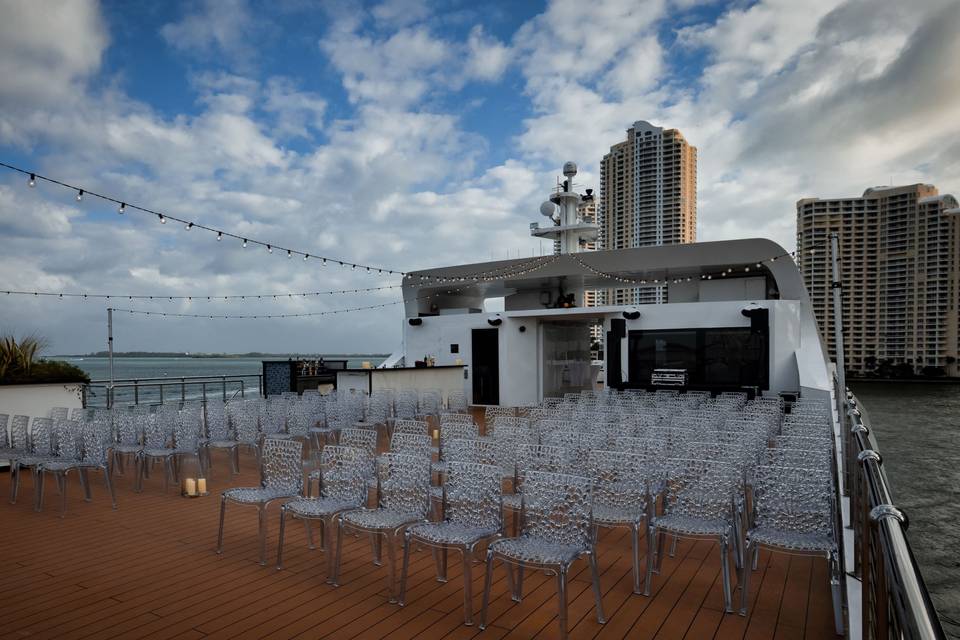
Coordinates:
(900, 271)
(648, 196)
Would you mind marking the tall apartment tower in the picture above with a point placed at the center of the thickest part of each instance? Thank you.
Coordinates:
(900, 271)
(648, 196)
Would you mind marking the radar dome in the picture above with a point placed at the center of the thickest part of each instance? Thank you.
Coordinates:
(569, 169)
(547, 209)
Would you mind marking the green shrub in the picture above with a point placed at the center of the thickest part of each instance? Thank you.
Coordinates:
(19, 363)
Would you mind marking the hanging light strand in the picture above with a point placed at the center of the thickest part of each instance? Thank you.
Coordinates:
(747, 267)
(268, 316)
(199, 296)
(122, 206)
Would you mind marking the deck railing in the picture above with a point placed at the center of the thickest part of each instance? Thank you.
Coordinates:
(100, 393)
(895, 600)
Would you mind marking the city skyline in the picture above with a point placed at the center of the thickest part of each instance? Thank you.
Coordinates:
(900, 271)
(414, 134)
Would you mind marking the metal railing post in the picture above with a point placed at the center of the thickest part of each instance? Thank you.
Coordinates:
(241, 389)
(204, 387)
(183, 390)
(161, 392)
(136, 392)
(224, 382)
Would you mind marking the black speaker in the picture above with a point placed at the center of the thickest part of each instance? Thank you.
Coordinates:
(618, 328)
(415, 322)
(759, 319)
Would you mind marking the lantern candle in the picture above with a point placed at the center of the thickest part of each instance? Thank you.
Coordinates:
(190, 486)
(201, 485)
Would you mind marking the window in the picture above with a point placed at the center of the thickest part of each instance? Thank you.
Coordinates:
(728, 357)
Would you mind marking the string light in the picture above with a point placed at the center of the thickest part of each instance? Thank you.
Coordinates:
(122, 208)
(135, 296)
(289, 254)
(219, 236)
(269, 249)
(382, 305)
(244, 243)
(163, 220)
(33, 177)
(32, 182)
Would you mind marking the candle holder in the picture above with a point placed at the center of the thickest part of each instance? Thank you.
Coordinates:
(193, 484)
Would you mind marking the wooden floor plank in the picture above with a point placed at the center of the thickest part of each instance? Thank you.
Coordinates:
(148, 570)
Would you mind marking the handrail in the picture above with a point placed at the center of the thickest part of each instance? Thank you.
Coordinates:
(895, 600)
(160, 383)
(213, 377)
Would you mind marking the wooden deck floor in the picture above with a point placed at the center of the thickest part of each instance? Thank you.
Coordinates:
(149, 570)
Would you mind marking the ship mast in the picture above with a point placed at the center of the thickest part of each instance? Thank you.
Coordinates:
(569, 231)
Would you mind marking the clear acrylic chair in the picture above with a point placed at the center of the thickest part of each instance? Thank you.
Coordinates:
(187, 443)
(403, 496)
(39, 449)
(218, 433)
(412, 444)
(556, 529)
(129, 439)
(793, 513)
(416, 427)
(94, 455)
(456, 429)
(699, 502)
(406, 405)
(4, 433)
(621, 496)
(366, 441)
(59, 414)
(157, 447)
(457, 402)
(68, 447)
(430, 403)
(247, 430)
(472, 514)
(531, 457)
(342, 474)
(281, 478)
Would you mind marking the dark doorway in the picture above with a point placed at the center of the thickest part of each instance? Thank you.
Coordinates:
(486, 366)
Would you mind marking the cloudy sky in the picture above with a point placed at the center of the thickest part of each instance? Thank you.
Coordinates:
(410, 134)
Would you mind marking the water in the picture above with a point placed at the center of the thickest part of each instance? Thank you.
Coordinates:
(917, 429)
(173, 368)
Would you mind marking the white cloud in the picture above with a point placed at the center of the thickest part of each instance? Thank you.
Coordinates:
(46, 52)
(487, 57)
(825, 101)
(216, 28)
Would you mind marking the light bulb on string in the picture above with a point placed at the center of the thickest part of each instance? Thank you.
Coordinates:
(79, 195)
(162, 220)
(189, 226)
(289, 253)
(122, 208)
(219, 236)
(244, 243)
(32, 182)
(305, 256)
(269, 249)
